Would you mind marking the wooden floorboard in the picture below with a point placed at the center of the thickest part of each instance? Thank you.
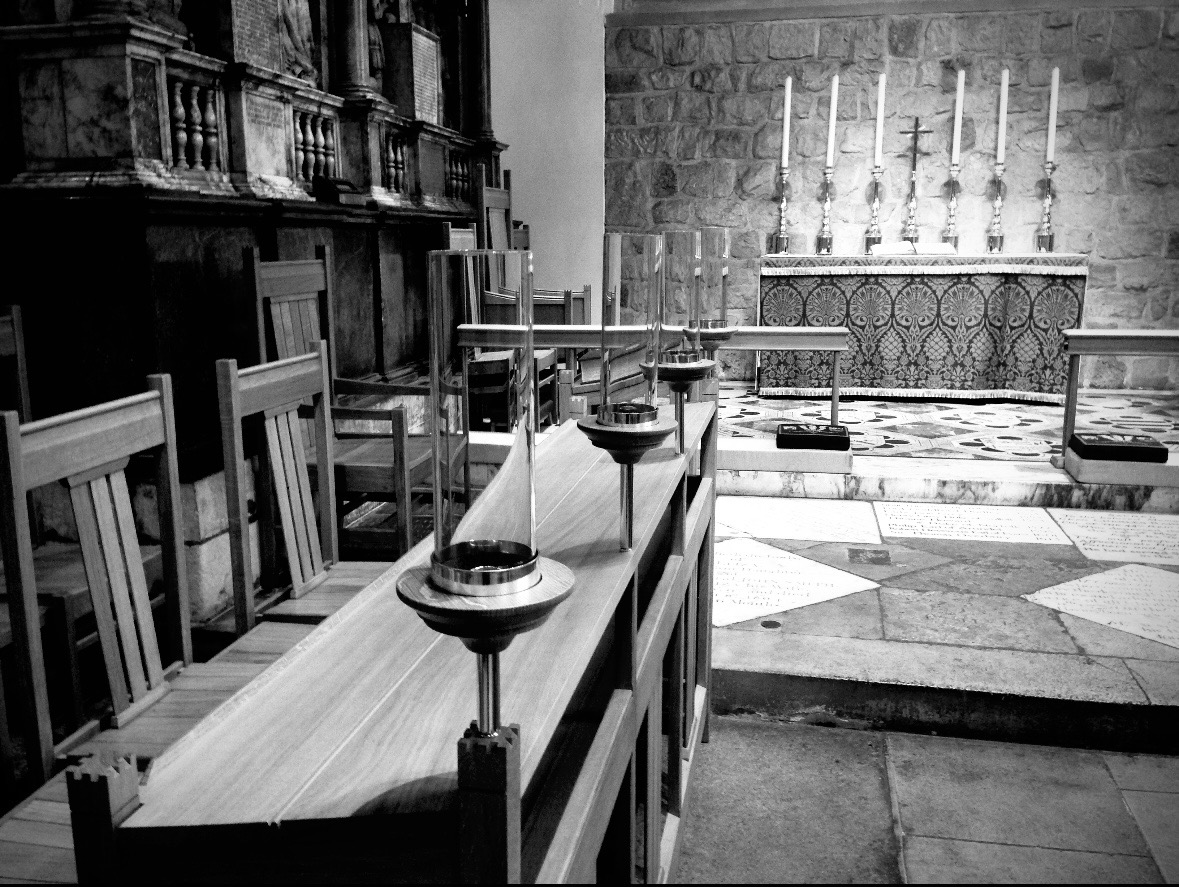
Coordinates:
(34, 862)
(45, 834)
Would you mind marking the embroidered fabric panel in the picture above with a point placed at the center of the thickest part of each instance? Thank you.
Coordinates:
(961, 332)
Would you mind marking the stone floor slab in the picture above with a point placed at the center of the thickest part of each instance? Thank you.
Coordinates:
(1138, 599)
(1004, 793)
(985, 523)
(1157, 814)
(816, 520)
(876, 562)
(1160, 680)
(854, 616)
(945, 861)
(974, 620)
(1008, 574)
(1046, 675)
(775, 803)
(1101, 640)
(1152, 773)
(1122, 536)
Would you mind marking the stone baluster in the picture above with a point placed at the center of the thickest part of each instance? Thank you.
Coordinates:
(329, 149)
(320, 143)
(179, 133)
(196, 138)
(212, 156)
(390, 161)
(298, 147)
(308, 168)
(402, 185)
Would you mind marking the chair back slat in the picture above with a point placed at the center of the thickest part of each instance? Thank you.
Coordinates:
(299, 445)
(283, 383)
(140, 602)
(296, 278)
(285, 446)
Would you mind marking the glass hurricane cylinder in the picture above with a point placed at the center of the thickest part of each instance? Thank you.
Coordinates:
(632, 281)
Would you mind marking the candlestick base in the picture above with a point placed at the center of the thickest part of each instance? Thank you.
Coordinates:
(910, 238)
(994, 243)
(780, 243)
(824, 244)
(871, 240)
(1045, 242)
(951, 239)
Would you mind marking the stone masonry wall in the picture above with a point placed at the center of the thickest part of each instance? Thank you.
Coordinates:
(694, 130)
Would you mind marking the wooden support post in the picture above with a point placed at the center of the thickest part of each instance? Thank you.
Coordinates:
(834, 387)
(703, 666)
(674, 669)
(233, 454)
(179, 636)
(616, 862)
(1070, 400)
(691, 618)
(653, 786)
(101, 797)
(489, 806)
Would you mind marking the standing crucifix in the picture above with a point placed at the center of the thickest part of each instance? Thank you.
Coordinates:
(910, 231)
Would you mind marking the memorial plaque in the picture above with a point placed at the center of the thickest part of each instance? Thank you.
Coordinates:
(1122, 535)
(754, 579)
(978, 523)
(1140, 600)
(815, 520)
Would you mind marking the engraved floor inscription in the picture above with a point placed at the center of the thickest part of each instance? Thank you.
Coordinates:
(980, 523)
(754, 579)
(1122, 535)
(815, 520)
(1134, 598)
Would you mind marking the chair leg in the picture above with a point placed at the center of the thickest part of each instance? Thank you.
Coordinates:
(7, 753)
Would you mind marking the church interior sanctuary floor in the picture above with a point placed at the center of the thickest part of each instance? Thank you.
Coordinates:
(1006, 622)
(1002, 430)
(776, 802)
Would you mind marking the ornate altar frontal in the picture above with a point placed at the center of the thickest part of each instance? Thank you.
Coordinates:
(925, 326)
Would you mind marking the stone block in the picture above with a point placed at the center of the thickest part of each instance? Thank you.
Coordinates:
(668, 78)
(835, 39)
(903, 34)
(671, 212)
(770, 77)
(758, 180)
(621, 111)
(1021, 34)
(746, 244)
(857, 138)
(658, 108)
(621, 81)
(1096, 69)
(42, 106)
(730, 215)
(793, 40)
(767, 142)
(696, 179)
(980, 33)
(1135, 28)
(663, 180)
(1152, 168)
(1126, 244)
(734, 144)
(1157, 98)
(1056, 39)
(816, 77)
(1148, 276)
(1058, 18)
(627, 187)
(681, 46)
(634, 48)
(751, 42)
(691, 107)
(716, 45)
(690, 144)
(743, 110)
(1093, 26)
(939, 37)
(712, 78)
(1173, 245)
(210, 582)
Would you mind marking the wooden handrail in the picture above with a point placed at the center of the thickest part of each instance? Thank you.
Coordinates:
(744, 338)
(1122, 342)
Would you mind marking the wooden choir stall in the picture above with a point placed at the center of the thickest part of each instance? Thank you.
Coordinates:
(339, 762)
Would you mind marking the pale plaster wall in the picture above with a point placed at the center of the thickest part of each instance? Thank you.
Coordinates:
(547, 99)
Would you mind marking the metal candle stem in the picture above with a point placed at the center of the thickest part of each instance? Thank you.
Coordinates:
(910, 231)
(950, 235)
(680, 396)
(626, 503)
(487, 665)
(874, 235)
(826, 240)
(995, 230)
(1045, 237)
(782, 239)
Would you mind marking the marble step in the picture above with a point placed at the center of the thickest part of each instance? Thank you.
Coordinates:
(901, 479)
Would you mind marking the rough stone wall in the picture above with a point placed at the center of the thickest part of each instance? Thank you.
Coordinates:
(694, 130)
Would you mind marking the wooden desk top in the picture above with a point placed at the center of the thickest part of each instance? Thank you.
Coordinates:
(362, 716)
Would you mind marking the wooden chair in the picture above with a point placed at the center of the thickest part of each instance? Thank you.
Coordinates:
(494, 225)
(90, 449)
(294, 307)
(12, 347)
(275, 392)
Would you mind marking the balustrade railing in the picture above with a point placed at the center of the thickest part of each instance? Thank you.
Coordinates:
(458, 175)
(195, 114)
(315, 145)
(393, 168)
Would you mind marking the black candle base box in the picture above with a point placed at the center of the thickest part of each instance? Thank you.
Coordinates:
(793, 436)
(1118, 447)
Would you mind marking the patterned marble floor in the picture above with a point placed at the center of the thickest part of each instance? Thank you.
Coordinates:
(1026, 432)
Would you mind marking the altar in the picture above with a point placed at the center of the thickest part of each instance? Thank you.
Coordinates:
(975, 327)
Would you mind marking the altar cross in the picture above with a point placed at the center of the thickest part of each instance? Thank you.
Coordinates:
(916, 132)
(909, 232)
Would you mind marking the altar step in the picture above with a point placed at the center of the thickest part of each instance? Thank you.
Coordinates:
(755, 468)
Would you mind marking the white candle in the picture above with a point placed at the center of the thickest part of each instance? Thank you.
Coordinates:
(786, 125)
(1001, 147)
(956, 150)
(880, 121)
(831, 121)
(1051, 153)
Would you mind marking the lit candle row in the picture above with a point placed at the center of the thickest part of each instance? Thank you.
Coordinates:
(956, 149)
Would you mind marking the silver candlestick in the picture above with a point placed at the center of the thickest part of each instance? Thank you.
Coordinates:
(995, 230)
(910, 230)
(1045, 237)
(781, 240)
(950, 234)
(874, 236)
(826, 240)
